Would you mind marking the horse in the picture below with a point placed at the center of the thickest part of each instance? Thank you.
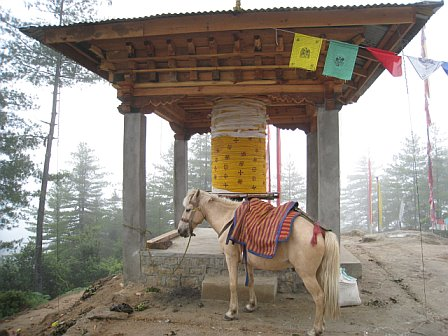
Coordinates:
(317, 265)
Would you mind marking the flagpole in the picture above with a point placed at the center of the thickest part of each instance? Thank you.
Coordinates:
(432, 209)
(369, 196)
(380, 204)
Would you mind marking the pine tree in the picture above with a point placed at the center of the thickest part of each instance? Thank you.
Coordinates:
(354, 198)
(199, 162)
(440, 173)
(159, 195)
(18, 138)
(293, 185)
(406, 181)
(77, 221)
(110, 234)
(88, 184)
(39, 65)
(58, 214)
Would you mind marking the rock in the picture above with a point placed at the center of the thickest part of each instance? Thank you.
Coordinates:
(104, 313)
(372, 238)
(122, 307)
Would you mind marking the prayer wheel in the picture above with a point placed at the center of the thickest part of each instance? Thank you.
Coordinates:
(238, 133)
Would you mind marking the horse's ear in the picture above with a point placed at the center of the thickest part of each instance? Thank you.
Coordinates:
(195, 198)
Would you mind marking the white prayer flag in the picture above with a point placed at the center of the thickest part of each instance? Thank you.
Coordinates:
(424, 66)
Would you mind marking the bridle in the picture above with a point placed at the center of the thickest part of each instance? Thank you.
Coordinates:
(191, 213)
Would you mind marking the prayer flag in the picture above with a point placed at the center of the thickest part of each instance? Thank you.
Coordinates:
(390, 60)
(340, 61)
(424, 66)
(445, 67)
(305, 52)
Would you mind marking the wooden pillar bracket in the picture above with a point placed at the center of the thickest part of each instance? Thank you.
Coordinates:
(180, 132)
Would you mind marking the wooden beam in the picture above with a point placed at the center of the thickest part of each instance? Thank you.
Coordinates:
(204, 83)
(206, 23)
(213, 47)
(172, 113)
(204, 56)
(163, 241)
(236, 60)
(221, 90)
(212, 68)
(97, 51)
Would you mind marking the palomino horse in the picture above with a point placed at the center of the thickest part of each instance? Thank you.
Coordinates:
(317, 265)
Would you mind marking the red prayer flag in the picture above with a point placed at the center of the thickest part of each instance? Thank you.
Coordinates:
(390, 60)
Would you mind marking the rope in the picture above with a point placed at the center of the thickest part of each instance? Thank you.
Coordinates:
(416, 189)
(141, 231)
(183, 256)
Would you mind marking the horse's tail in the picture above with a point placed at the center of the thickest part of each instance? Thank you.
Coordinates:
(328, 275)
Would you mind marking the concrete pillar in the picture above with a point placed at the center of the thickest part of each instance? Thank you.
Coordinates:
(328, 169)
(311, 174)
(180, 174)
(134, 195)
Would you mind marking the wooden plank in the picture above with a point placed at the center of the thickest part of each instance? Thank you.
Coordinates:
(212, 68)
(203, 56)
(187, 24)
(161, 241)
(229, 90)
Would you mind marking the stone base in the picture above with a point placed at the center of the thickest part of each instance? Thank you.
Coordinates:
(217, 288)
(170, 268)
(352, 265)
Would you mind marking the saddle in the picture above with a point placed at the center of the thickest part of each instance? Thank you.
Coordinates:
(259, 226)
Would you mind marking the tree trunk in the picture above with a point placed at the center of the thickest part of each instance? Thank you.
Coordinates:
(43, 188)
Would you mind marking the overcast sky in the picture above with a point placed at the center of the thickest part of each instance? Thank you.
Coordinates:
(376, 124)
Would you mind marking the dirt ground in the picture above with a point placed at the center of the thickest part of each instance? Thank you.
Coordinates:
(395, 301)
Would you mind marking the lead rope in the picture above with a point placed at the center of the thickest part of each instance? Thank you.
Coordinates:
(183, 256)
(190, 226)
(416, 191)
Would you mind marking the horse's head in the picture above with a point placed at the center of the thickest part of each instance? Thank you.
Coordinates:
(192, 215)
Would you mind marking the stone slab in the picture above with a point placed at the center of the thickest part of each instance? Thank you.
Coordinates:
(217, 288)
(352, 265)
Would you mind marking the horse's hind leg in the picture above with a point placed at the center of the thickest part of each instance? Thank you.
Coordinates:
(317, 293)
(252, 304)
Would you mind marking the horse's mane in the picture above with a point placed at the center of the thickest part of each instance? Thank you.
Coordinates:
(206, 196)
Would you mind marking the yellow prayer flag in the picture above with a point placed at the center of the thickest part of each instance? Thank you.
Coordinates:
(305, 52)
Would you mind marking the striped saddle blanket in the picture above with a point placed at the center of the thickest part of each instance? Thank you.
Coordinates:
(259, 226)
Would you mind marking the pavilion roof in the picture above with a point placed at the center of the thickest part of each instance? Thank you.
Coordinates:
(177, 65)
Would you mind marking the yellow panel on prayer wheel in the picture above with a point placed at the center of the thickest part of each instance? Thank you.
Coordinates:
(239, 164)
(238, 132)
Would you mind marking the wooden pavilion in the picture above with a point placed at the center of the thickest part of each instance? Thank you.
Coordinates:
(179, 65)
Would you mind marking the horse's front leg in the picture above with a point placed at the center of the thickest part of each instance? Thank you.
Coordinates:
(232, 260)
(252, 304)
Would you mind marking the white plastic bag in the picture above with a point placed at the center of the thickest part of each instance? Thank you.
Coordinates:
(348, 290)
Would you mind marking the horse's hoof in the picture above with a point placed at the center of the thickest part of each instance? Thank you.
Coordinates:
(229, 317)
(249, 308)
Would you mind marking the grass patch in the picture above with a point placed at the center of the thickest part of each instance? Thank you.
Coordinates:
(14, 301)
